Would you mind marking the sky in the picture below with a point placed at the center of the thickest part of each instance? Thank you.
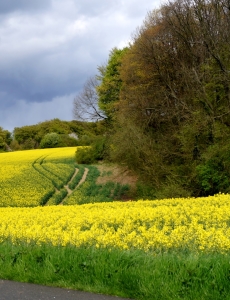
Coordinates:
(49, 48)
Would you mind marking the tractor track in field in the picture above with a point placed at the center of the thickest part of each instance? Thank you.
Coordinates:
(66, 186)
(83, 177)
(69, 191)
(80, 182)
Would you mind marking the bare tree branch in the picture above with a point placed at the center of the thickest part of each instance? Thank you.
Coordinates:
(86, 103)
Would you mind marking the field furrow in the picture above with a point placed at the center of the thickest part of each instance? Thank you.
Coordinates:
(29, 178)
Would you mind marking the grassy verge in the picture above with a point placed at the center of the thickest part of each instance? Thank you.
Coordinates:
(91, 192)
(133, 274)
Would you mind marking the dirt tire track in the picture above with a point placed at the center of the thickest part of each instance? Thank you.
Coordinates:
(80, 182)
(83, 177)
(67, 185)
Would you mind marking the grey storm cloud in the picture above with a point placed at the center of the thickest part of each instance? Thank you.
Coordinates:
(10, 6)
(48, 49)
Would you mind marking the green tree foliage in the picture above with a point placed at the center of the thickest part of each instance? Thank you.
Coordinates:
(168, 96)
(97, 100)
(38, 131)
(51, 140)
(28, 144)
(2, 143)
(5, 139)
(14, 145)
(29, 137)
(95, 152)
(214, 168)
(174, 101)
(108, 89)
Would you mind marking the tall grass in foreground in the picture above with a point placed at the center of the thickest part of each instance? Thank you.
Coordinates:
(133, 274)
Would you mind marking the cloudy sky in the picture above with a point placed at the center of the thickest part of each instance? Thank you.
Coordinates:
(48, 49)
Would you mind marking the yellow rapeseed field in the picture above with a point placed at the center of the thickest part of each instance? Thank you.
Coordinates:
(201, 224)
(24, 180)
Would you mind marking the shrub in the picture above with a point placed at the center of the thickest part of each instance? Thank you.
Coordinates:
(68, 141)
(95, 152)
(213, 172)
(2, 143)
(51, 140)
(14, 145)
(28, 144)
(85, 140)
(84, 155)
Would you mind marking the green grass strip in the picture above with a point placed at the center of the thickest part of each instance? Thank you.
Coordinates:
(133, 274)
(77, 178)
(91, 192)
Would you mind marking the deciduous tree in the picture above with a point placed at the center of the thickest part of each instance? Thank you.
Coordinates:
(176, 87)
(86, 106)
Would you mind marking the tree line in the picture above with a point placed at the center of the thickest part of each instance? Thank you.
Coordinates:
(165, 99)
(50, 134)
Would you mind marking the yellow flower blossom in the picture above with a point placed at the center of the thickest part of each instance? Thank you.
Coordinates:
(200, 224)
(28, 176)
